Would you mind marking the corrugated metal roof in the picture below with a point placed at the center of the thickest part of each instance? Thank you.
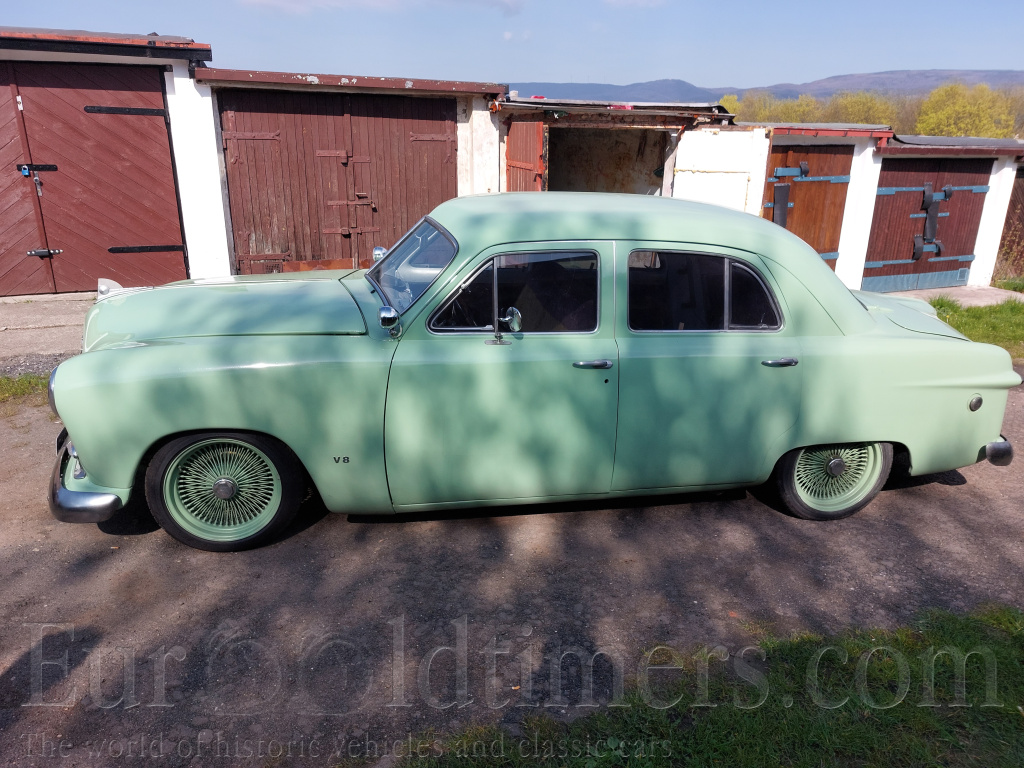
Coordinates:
(822, 126)
(672, 107)
(303, 81)
(83, 41)
(959, 141)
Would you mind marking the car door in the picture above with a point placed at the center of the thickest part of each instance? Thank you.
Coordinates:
(709, 375)
(476, 416)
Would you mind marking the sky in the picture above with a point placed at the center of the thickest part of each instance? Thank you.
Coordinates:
(711, 43)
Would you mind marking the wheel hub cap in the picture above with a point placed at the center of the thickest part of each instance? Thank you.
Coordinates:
(222, 489)
(225, 488)
(833, 477)
(836, 466)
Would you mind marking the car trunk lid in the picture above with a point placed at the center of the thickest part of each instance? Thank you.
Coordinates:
(908, 313)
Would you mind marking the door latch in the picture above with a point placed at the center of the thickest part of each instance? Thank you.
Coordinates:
(45, 253)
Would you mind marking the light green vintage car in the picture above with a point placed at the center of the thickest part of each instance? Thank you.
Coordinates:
(513, 349)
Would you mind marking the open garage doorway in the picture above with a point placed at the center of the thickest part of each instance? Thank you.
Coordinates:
(607, 160)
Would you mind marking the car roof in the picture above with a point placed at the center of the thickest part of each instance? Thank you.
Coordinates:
(480, 221)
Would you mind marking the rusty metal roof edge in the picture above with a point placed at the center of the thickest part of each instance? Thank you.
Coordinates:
(626, 105)
(969, 142)
(298, 80)
(821, 126)
(82, 41)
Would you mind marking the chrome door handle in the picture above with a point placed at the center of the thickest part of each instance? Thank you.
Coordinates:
(782, 362)
(601, 364)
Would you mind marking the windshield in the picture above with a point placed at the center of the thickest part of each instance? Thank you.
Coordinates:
(411, 266)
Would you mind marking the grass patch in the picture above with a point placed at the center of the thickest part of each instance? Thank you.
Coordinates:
(871, 701)
(1001, 324)
(1013, 284)
(18, 386)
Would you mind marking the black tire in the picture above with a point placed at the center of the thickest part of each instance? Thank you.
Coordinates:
(224, 491)
(810, 490)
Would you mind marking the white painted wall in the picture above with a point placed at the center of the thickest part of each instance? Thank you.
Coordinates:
(858, 213)
(479, 155)
(723, 167)
(197, 162)
(993, 217)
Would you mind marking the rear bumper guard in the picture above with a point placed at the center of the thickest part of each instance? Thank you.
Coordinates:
(999, 452)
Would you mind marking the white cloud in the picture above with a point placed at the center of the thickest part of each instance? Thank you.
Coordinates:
(507, 35)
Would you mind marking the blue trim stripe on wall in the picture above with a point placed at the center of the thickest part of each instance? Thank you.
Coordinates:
(830, 256)
(915, 281)
(977, 189)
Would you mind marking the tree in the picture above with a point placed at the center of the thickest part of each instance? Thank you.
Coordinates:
(731, 102)
(956, 110)
(859, 107)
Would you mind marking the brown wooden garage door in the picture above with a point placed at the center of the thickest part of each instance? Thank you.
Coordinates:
(806, 193)
(86, 182)
(901, 256)
(319, 179)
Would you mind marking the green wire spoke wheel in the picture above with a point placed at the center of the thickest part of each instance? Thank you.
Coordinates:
(223, 492)
(828, 482)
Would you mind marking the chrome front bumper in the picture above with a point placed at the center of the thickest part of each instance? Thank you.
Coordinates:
(999, 452)
(77, 506)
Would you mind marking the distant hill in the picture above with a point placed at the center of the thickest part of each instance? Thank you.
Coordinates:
(903, 81)
(655, 90)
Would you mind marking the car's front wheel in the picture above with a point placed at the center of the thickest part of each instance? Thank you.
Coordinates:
(829, 482)
(223, 491)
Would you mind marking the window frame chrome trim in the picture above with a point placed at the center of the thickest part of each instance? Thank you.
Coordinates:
(728, 259)
(380, 291)
(768, 292)
(490, 329)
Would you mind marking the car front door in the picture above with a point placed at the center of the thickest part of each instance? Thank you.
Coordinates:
(709, 378)
(524, 411)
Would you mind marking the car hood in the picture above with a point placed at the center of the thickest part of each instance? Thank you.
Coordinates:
(224, 307)
(911, 314)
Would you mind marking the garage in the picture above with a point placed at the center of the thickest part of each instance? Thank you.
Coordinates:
(579, 146)
(318, 177)
(929, 208)
(88, 183)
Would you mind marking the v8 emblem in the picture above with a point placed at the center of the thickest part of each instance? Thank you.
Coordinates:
(341, 459)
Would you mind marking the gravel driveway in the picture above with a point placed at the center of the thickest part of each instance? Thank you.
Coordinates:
(349, 634)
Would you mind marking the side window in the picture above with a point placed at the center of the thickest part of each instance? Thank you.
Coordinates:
(749, 303)
(553, 291)
(671, 291)
(472, 307)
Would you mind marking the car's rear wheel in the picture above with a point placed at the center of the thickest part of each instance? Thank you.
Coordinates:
(223, 491)
(829, 482)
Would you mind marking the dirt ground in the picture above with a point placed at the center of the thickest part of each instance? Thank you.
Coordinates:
(120, 646)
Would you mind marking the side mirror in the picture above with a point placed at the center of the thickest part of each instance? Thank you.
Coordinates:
(379, 252)
(388, 317)
(513, 319)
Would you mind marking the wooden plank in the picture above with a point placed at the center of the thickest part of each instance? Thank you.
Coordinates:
(818, 206)
(21, 221)
(115, 185)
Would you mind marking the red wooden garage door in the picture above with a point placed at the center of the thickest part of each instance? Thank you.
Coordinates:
(320, 179)
(88, 185)
(901, 256)
(806, 193)
(526, 154)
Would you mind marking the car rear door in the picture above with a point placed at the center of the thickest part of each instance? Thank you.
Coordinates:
(477, 419)
(709, 374)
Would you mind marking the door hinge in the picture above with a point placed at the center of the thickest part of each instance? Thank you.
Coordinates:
(45, 253)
